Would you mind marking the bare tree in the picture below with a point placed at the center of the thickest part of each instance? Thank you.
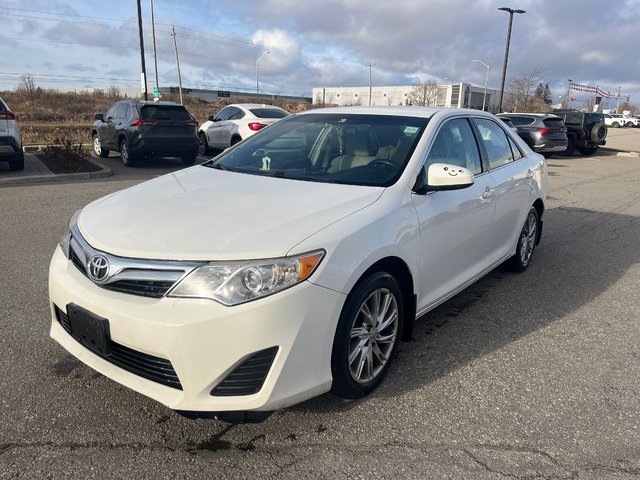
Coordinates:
(27, 86)
(425, 94)
(113, 92)
(522, 93)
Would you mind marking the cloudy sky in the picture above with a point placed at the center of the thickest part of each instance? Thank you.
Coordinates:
(69, 44)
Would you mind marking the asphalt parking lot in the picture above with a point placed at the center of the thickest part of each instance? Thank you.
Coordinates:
(520, 376)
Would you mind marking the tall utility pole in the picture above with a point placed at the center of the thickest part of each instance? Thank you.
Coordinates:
(486, 80)
(155, 54)
(618, 99)
(370, 65)
(143, 79)
(258, 71)
(175, 47)
(511, 11)
(565, 103)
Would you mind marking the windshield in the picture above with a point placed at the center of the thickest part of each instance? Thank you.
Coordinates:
(339, 148)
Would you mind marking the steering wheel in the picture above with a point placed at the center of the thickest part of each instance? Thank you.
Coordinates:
(381, 163)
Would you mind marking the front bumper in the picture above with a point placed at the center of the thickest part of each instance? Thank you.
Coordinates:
(204, 341)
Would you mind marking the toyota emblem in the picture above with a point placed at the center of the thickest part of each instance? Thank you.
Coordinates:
(98, 267)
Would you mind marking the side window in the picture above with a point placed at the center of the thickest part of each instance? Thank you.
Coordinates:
(455, 144)
(111, 112)
(120, 111)
(225, 113)
(495, 143)
(517, 154)
(237, 115)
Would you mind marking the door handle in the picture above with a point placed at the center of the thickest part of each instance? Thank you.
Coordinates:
(488, 193)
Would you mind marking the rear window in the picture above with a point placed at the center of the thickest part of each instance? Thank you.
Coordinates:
(554, 122)
(268, 112)
(164, 112)
(591, 118)
(522, 120)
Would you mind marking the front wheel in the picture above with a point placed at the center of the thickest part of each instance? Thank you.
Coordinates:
(526, 242)
(203, 144)
(367, 336)
(17, 164)
(571, 147)
(189, 160)
(98, 149)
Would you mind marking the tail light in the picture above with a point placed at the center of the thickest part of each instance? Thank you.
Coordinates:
(255, 126)
(8, 115)
(544, 131)
(584, 132)
(139, 122)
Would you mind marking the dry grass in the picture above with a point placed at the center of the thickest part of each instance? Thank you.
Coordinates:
(47, 115)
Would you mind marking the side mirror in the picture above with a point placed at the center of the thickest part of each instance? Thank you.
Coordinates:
(99, 116)
(211, 118)
(442, 176)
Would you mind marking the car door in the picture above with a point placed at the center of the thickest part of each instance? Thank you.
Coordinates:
(513, 176)
(106, 127)
(455, 225)
(215, 132)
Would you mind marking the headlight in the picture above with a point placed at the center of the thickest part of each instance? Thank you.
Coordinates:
(66, 233)
(240, 282)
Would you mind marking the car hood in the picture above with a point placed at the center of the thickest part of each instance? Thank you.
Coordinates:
(202, 213)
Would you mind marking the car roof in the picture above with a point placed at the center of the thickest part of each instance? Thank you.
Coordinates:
(540, 115)
(253, 105)
(404, 111)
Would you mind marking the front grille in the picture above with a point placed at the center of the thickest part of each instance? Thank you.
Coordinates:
(248, 377)
(152, 368)
(77, 262)
(145, 288)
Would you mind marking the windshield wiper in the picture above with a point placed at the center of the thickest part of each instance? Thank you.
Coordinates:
(212, 164)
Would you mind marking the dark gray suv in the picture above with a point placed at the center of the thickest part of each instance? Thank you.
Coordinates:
(544, 133)
(586, 131)
(10, 140)
(146, 129)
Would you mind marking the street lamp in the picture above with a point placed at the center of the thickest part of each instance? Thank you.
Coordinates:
(257, 71)
(486, 80)
(511, 11)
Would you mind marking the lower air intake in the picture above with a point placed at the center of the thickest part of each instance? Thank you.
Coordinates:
(248, 377)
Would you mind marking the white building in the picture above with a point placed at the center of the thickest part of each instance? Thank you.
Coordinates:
(456, 95)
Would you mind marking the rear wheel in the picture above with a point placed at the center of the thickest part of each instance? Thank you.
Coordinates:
(367, 336)
(97, 148)
(526, 242)
(571, 146)
(629, 124)
(127, 157)
(17, 164)
(588, 150)
(615, 125)
(189, 160)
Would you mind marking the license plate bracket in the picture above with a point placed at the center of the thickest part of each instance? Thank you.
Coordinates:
(89, 329)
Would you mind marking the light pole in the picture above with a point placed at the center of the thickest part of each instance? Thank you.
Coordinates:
(143, 76)
(258, 71)
(511, 11)
(486, 80)
(370, 65)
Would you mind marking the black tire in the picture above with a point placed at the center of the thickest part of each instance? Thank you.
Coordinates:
(235, 140)
(203, 144)
(615, 125)
(189, 160)
(17, 164)
(628, 124)
(547, 154)
(598, 132)
(98, 150)
(588, 150)
(128, 159)
(356, 378)
(571, 147)
(527, 241)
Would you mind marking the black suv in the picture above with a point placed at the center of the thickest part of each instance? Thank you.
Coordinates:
(544, 133)
(146, 129)
(585, 131)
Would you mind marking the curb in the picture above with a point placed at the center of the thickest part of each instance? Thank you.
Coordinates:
(621, 153)
(104, 172)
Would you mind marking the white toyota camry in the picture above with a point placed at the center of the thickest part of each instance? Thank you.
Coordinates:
(295, 262)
